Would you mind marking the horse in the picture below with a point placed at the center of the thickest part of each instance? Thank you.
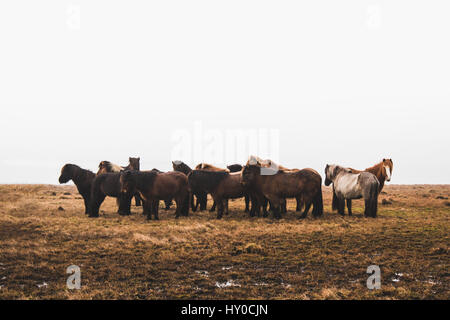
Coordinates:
(180, 166)
(304, 185)
(208, 167)
(273, 167)
(383, 172)
(221, 185)
(83, 181)
(238, 168)
(133, 164)
(108, 184)
(154, 186)
(349, 185)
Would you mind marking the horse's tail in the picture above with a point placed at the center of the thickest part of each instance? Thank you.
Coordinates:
(318, 204)
(334, 204)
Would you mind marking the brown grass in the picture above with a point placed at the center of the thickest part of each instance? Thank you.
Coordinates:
(237, 257)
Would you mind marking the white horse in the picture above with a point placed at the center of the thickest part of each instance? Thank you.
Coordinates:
(348, 185)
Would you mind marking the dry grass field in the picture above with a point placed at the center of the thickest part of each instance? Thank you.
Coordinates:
(43, 230)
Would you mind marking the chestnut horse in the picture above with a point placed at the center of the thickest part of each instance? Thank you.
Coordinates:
(220, 184)
(133, 164)
(305, 185)
(83, 180)
(154, 186)
(349, 185)
(383, 172)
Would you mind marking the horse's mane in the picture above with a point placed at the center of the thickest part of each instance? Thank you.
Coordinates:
(110, 167)
(78, 172)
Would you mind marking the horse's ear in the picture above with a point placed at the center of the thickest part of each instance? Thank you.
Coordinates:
(384, 159)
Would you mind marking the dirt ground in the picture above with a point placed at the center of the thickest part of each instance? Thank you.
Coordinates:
(43, 230)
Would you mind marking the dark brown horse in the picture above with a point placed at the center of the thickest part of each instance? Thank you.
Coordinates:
(305, 185)
(133, 164)
(238, 168)
(383, 172)
(83, 180)
(201, 196)
(154, 186)
(272, 165)
(220, 184)
(108, 184)
(208, 167)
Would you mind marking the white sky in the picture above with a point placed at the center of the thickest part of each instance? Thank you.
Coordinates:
(346, 82)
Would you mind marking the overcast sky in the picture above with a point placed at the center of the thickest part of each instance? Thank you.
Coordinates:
(345, 82)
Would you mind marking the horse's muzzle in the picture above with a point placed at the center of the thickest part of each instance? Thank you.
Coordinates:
(328, 182)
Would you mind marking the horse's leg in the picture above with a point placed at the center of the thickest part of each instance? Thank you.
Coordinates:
(349, 206)
(137, 200)
(156, 209)
(247, 203)
(168, 203)
(124, 202)
(283, 206)
(147, 209)
(367, 207)
(220, 207)
(341, 206)
(226, 206)
(299, 204)
(86, 204)
(179, 200)
(96, 202)
(277, 204)
(203, 201)
(335, 201)
(264, 202)
(213, 208)
(305, 213)
(374, 199)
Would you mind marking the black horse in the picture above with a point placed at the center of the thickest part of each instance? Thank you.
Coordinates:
(83, 180)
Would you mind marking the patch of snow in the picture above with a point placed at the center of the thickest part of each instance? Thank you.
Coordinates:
(229, 283)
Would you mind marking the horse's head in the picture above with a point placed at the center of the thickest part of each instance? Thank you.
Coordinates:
(135, 163)
(102, 167)
(388, 166)
(66, 173)
(177, 165)
(127, 182)
(249, 174)
(329, 174)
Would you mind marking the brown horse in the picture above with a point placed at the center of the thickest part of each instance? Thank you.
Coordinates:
(133, 164)
(305, 185)
(154, 186)
(83, 180)
(108, 185)
(383, 172)
(221, 185)
(180, 166)
(208, 167)
(267, 163)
